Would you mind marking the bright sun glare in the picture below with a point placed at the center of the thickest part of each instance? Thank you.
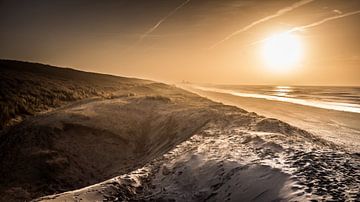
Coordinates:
(282, 52)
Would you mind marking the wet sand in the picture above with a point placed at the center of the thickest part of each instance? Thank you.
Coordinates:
(134, 140)
(236, 156)
(342, 128)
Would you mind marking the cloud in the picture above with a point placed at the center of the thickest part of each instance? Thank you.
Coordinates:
(314, 24)
(153, 28)
(149, 32)
(251, 25)
(311, 25)
(337, 11)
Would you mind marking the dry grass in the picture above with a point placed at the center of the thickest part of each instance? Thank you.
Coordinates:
(30, 88)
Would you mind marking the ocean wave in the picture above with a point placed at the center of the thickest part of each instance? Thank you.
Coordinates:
(338, 106)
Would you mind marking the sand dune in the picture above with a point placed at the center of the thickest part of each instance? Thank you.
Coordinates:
(341, 128)
(93, 141)
(147, 141)
(237, 156)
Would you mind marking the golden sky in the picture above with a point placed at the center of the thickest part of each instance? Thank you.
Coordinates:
(207, 41)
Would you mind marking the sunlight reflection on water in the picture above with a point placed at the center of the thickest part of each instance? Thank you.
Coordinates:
(282, 91)
(333, 98)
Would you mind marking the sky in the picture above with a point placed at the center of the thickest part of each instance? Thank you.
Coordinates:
(202, 41)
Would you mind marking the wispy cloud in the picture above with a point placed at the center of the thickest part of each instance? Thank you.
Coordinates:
(153, 28)
(267, 18)
(314, 24)
(311, 25)
(149, 32)
(337, 11)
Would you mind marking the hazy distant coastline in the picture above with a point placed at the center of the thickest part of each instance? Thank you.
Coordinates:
(345, 99)
(338, 126)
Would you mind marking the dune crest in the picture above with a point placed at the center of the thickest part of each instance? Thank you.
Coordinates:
(144, 141)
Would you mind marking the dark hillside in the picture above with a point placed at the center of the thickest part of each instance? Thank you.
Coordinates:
(103, 126)
(29, 88)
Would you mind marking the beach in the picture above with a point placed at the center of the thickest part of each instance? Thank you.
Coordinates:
(107, 138)
(238, 155)
(339, 127)
(180, 101)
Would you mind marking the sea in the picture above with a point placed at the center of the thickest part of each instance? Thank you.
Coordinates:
(338, 98)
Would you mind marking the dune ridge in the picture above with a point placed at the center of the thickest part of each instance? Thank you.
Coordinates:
(237, 156)
(144, 141)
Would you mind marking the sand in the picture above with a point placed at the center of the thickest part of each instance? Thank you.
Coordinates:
(341, 128)
(237, 156)
(148, 141)
(91, 141)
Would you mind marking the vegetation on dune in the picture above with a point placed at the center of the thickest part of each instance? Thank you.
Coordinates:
(88, 141)
(29, 88)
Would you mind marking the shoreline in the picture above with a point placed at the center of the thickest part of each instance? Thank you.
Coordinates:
(337, 106)
(159, 142)
(339, 127)
(238, 156)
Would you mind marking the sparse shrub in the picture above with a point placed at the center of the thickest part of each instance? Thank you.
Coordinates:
(158, 98)
(29, 88)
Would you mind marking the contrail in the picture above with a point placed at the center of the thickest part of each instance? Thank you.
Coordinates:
(300, 28)
(277, 14)
(314, 24)
(162, 20)
(153, 28)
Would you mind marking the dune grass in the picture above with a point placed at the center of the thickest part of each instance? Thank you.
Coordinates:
(29, 88)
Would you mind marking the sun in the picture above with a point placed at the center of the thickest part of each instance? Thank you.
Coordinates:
(282, 52)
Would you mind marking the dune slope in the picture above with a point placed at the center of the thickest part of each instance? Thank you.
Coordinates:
(27, 88)
(237, 156)
(116, 126)
(87, 143)
(134, 140)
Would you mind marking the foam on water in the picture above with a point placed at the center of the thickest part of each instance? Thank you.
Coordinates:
(344, 99)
